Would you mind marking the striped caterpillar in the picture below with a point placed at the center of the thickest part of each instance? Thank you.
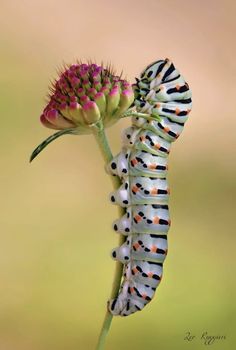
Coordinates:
(163, 95)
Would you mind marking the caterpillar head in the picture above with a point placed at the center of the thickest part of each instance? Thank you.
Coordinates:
(151, 71)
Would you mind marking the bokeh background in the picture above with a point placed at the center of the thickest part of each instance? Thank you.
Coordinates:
(56, 235)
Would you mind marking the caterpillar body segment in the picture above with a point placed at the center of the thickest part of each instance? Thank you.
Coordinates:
(142, 166)
(143, 190)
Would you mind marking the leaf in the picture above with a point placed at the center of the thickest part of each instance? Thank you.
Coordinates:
(51, 138)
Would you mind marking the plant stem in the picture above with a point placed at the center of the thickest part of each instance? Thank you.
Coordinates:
(100, 136)
(132, 113)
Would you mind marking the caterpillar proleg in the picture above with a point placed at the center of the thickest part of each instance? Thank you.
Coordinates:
(142, 166)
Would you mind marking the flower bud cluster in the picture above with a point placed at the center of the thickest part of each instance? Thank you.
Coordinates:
(85, 94)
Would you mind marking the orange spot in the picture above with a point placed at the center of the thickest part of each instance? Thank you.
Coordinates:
(144, 296)
(154, 191)
(134, 270)
(161, 87)
(166, 129)
(152, 166)
(150, 274)
(188, 111)
(158, 105)
(135, 189)
(177, 111)
(168, 190)
(142, 138)
(136, 245)
(153, 249)
(134, 162)
(138, 218)
(177, 87)
(132, 290)
(156, 220)
(157, 146)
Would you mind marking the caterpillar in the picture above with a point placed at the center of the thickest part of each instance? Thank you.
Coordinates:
(163, 95)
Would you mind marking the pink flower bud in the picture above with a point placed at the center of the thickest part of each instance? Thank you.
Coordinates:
(84, 94)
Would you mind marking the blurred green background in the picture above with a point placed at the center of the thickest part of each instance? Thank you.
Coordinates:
(56, 235)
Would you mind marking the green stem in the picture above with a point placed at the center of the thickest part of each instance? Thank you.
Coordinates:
(100, 136)
(132, 113)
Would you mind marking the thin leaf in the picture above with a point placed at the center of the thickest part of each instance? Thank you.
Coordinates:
(49, 140)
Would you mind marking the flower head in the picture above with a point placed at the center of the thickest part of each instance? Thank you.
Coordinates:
(84, 94)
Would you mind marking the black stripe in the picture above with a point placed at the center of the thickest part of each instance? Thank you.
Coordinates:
(113, 304)
(167, 110)
(159, 236)
(145, 90)
(160, 68)
(162, 191)
(171, 133)
(152, 64)
(154, 263)
(160, 251)
(168, 81)
(160, 126)
(168, 72)
(139, 160)
(139, 268)
(154, 155)
(178, 123)
(160, 206)
(156, 277)
(162, 149)
(163, 222)
(183, 88)
(137, 292)
(161, 167)
(184, 101)
(182, 113)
